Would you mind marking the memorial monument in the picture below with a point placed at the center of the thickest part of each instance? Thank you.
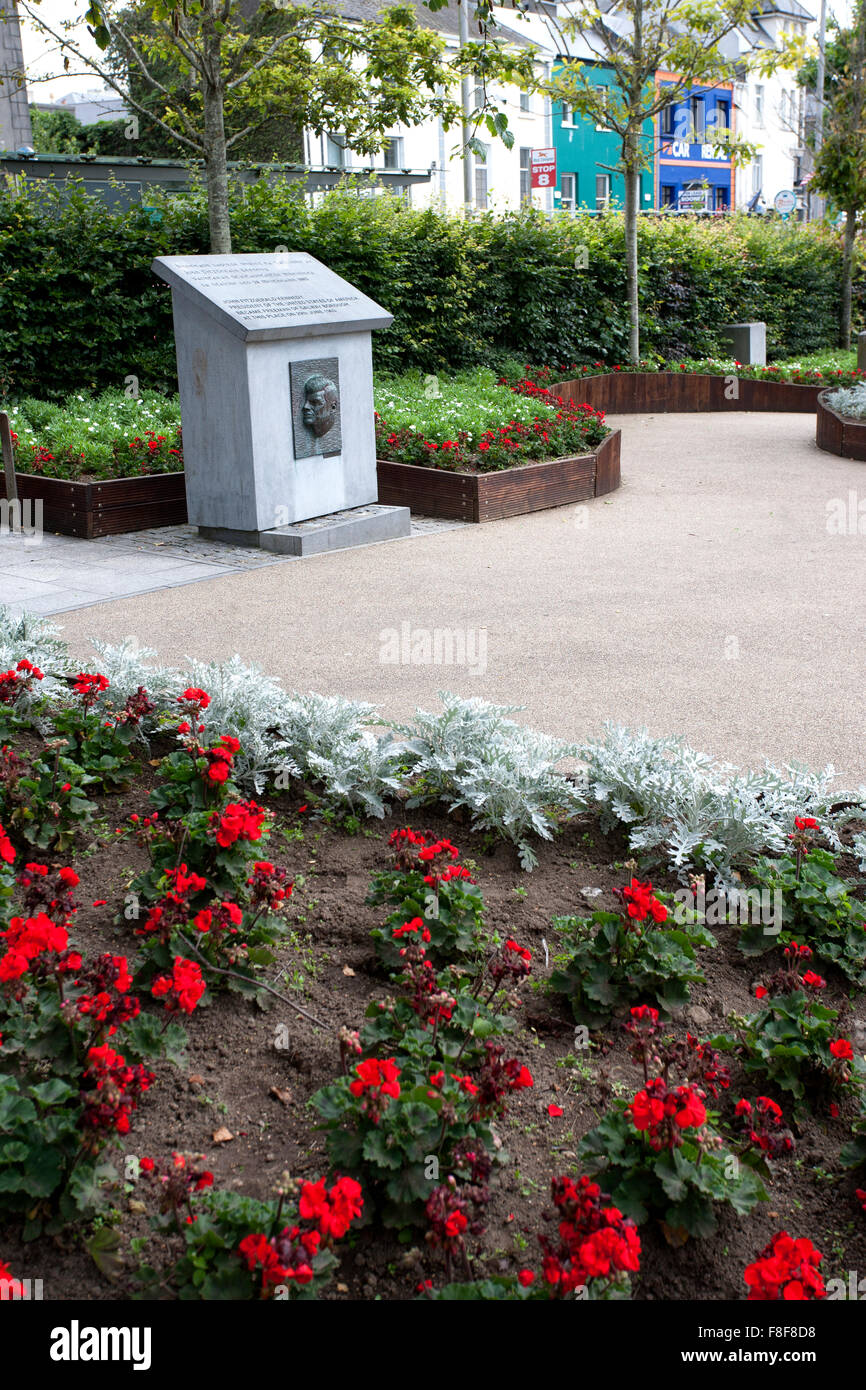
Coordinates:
(274, 362)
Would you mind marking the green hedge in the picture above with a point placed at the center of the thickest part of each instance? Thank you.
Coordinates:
(79, 306)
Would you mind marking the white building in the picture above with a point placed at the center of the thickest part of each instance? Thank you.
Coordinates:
(502, 180)
(100, 104)
(769, 111)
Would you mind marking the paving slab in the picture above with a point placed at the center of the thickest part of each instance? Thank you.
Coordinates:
(55, 574)
(50, 601)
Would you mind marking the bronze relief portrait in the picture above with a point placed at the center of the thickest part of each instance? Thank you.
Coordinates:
(315, 395)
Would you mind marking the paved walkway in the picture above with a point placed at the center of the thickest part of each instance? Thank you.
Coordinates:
(708, 597)
(54, 574)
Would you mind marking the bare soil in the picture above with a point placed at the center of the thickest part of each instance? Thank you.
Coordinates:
(327, 964)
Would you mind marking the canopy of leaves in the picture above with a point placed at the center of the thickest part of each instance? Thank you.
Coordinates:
(636, 39)
(284, 66)
(840, 164)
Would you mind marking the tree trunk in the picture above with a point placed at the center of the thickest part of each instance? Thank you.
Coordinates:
(847, 277)
(216, 161)
(632, 195)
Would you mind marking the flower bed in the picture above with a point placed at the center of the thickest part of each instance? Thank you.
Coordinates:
(479, 497)
(97, 437)
(100, 466)
(637, 392)
(560, 452)
(472, 1062)
(480, 426)
(838, 433)
(792, 373)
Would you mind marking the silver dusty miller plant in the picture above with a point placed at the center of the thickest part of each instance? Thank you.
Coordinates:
(247, 703)
(327, 740)
(849, 401)
(678, 804)
(506, 775)
(696, 812)
(37, 639)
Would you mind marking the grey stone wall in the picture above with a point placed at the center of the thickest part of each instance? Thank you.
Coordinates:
(14, 112)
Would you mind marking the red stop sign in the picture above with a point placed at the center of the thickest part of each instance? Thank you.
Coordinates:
(542, 165)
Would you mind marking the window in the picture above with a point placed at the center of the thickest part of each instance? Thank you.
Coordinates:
(723, 116)
(525, 176)
(669, 195)
(481, 178)
(759, 107)
(699, 119)
(602, 191)
(525, 105)
(480, 97)
(567, 115)
(667, 116)
(335, 151)
(720, 199)
(394, 153)
(758, 174)
(568, 189)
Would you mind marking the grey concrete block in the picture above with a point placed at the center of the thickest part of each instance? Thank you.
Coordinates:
(251, 332)
(357, 526)
(748, 342)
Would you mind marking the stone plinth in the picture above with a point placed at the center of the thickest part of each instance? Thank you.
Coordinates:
(748, 342)
(276, 389)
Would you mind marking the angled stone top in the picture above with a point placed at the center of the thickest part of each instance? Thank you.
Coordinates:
(267, 297)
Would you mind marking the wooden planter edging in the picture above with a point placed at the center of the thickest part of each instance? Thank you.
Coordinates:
(508, 492)
(626, 393)
(839, 434)
(106, 508)
(117, 505)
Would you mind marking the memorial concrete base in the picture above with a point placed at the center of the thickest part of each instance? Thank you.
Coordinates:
(747, 342)
(336, 531)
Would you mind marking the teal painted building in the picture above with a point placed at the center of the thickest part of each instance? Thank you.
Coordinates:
(583, 151)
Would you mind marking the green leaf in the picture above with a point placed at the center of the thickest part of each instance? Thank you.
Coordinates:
(104, 1248)
(50, 1092)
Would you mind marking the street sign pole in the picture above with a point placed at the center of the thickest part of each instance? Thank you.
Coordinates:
(466, 105)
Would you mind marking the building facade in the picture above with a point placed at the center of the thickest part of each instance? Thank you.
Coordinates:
(499, 182)
(685, 170)
(691, 173)
(587, 156)
(89, 108)
(770, 111)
